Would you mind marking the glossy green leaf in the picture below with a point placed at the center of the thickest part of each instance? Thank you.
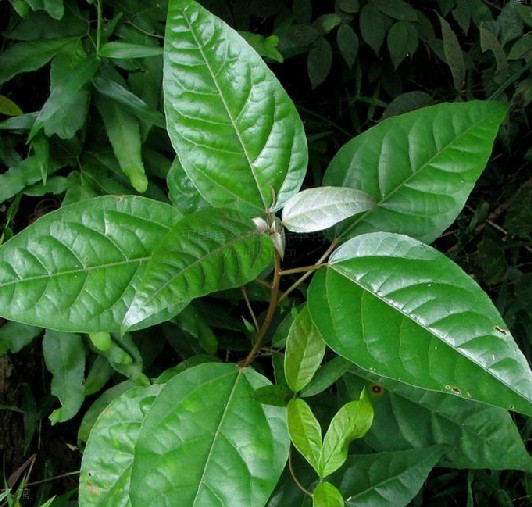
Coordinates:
(305, 349)
(118, 49)
(182, 192)
(347, 42)
(28, 56)
(208, 251)
(65, 110)
(64, 355)
(124, 134)
(388, 479)
(14, 336)
(453, 54)
(305, 431)
(326, 495)
(472, 434)
(215, 446)
(352, 421)
(418, 167)
(236, 132)
(105, 477)
(136, 105)
(403, 310)
(319, 61)
(77, 268)
(316, 209)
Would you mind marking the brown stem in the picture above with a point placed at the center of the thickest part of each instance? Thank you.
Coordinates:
(250, 309)
(296, 480)
(318, 264)
(270, 312)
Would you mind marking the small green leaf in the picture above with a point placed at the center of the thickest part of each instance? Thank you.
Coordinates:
(316, 209)
(397, 9)
(124, 134)
(182, 192)
(319, 61)
(305, 349)
(28, 56)
(403, 310)
(453, 54)
(305, 431)
(349, 6)
(77, 268)
(55, 8)
(215, 445)
(64, 355)
(373, 26)
(489, 42)
(402, 41)
(406, 102)
(210, 250)
(14, 336)
(117, 49)
(352, 421)
(327, 22)
(264, 46)
(326, 495)
(326, 376)
(347, 41)
(462, 14)
(278, 395)
(191, 321)
(8, 107)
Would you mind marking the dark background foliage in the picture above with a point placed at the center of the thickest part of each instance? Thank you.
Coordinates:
(347, 64)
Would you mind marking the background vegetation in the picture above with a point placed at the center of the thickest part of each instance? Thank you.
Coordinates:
(81, 115)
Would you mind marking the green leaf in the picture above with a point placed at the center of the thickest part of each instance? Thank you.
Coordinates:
(278, 395)
(397, 9)
(406, 102)
(462, 14)
(28, 56)
(77, 268)
(402, 310)
(118, 49)
(373, 26)
(326, 495)
(67, 90)
(347, 41)
(418, 167)
(240, 140)
(327, 22)
(124, 134)
(208, 251)
(191, 321)
(471, 434)
(316, 209)
(352, 421)
(349, 6)
(113, 90)
(453, 54)
(64, 355)
(387, 479)
(215, 445)
(14, 336)
(8, 107)
(319, 61)
(181, 191)
(402, 41)
(305, 431)
(55, 8)
(489, 42)
(264, 46)
(105, 477)
(305, 349)
(326, 376)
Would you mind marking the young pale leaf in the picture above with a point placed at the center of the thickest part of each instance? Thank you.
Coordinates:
(78, 268)
(124, 134)
(304, 351)
(418, 167)
(118, 49)
(208, 251)
(64, 355)
(388, 479)
(316, 209)
(403, 310)
(326, 495)
(471, 433)
(105, 477)
(28, 56)
(215, 446)
(236, 132)
(305, 431)
(8, 107)
(352, 421)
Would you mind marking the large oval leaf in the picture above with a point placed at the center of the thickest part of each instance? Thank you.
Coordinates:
(403, 310)
(77, 268)
(208, 251)
(472, 433)
(108, 458)
(419, 167)
(236, 132)
(215, 445)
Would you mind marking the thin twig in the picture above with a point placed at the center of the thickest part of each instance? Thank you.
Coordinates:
(61, 476)
(296, 480)
(251, 312)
